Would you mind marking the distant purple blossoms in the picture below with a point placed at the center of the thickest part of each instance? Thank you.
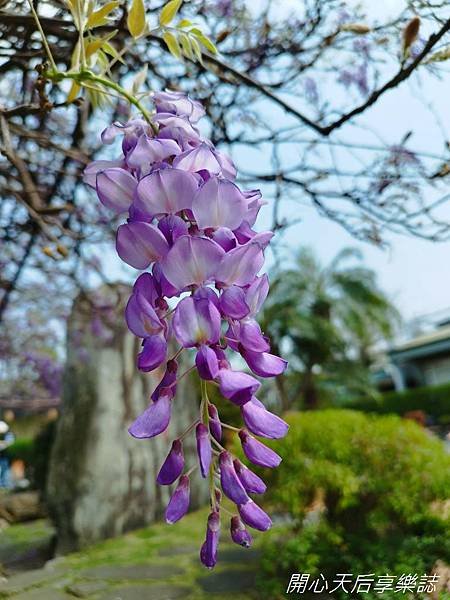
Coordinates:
(189, 227)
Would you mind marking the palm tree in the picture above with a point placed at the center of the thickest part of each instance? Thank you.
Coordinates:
(326, 319)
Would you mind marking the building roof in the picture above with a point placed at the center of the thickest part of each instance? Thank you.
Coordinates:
(34, 405)
(427, 344)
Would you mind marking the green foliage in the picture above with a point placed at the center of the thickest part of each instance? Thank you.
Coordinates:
(35, 452)
(136, 18)
(377, 485)
(21, 449)
(94, 55)
(327, 318)
(432, 400)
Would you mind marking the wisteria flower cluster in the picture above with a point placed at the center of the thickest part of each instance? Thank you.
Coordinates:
(189, 228)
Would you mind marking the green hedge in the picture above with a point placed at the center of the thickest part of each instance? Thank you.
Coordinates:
(21, 449)
(432, 400)
(35, 452)
(378, 485)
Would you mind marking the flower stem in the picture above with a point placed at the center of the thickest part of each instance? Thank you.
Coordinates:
(86, 75)
(44, 39)
(229, 426)
(188, 429)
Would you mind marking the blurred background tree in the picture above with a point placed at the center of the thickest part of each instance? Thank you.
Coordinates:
(326, 320)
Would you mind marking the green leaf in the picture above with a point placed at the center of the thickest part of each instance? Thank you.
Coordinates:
(206, 42)
(185, 41)
(184, 23)
(109, 49)
(172, 44)
(94, 43)
(73, 92)
(99, 17)
(197, 50)
(169, 12)
(136, 18)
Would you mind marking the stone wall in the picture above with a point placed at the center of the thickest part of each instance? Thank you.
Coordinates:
(101, 480)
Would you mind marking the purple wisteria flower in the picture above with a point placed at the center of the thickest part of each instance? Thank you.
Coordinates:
(189, 228)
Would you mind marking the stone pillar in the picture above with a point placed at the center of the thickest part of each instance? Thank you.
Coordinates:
(101, 480)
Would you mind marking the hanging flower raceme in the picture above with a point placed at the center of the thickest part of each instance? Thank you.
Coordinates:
(189, 227)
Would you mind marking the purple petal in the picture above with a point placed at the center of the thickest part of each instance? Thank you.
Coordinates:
(262, 239)
(208, 294)
(232, 335)
(236, 386)
(239, 533)
(225, 238)
(254, 516)
(167, 289)
(153, 354)
(215, 425)
(199, 158)
(137, 215)
(93, 168)
(172, 467)
(233, 303)
(154, 420)
(149, 150)
(254, 203)
(139, 244)
(226, 164)
(173, 227)
(251, 337)
(196, 321)
(218, 203)
(251, 482)
(204, 449)
(256, 293)
(167, 191)
(178, 103)
(240, 265)
(131, 131)
(258, 453)
(179, 502)
(262, 422)
(230, 482)
(169, 121)
(147, 285)
(264, 364)
(191, 261)
(141, 317)
(115, 188)
(166, 386)
(207, 363)
(244, 233)
(208, 552)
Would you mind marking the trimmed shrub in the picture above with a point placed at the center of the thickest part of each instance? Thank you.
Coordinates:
(377, 486)
(432, 400)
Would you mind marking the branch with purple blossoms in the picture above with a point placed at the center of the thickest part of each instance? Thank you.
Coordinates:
(190, 229)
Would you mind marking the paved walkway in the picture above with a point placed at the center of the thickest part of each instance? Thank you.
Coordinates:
(157, 563)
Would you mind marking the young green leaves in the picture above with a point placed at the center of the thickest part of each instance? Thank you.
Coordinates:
(183, 39)
(169, 11)
(99, 17)
(136, 18)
